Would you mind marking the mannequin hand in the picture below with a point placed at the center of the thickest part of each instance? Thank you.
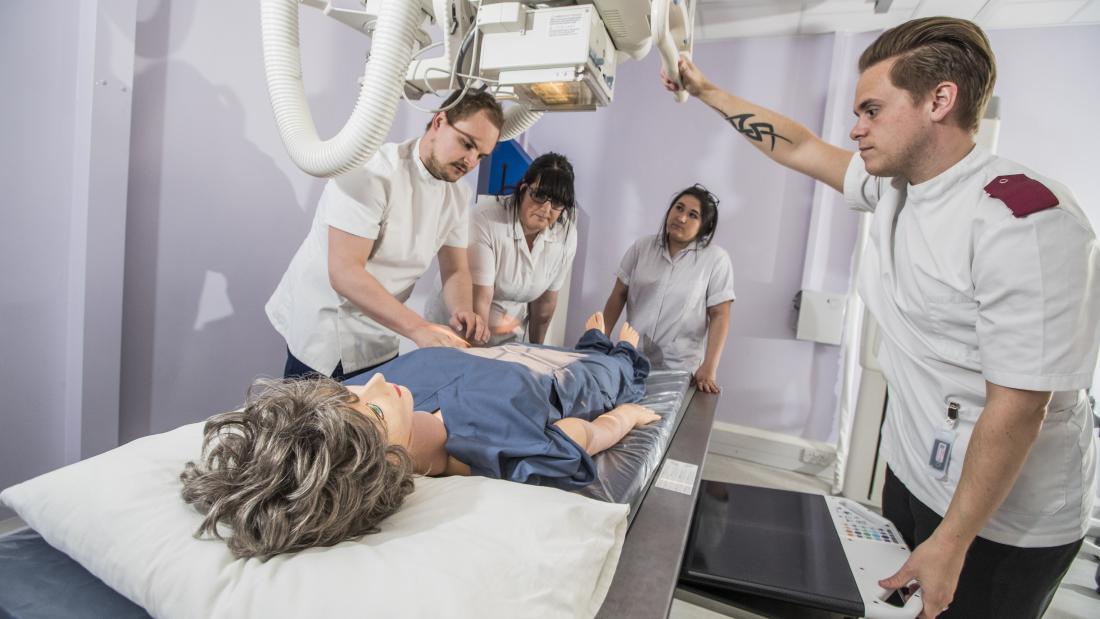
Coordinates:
(638, 415)
(432, 334)
(507, 325)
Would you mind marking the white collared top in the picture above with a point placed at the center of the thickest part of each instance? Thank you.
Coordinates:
(499, 257)
(965, 292)
(409, 213)
(667, 298)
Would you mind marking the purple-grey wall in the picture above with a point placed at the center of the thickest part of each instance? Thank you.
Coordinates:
(634, 155)
(63, 167)
(216, 207)
(34, 236)
(1049, 101)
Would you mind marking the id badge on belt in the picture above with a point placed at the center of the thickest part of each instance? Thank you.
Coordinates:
(939, 458)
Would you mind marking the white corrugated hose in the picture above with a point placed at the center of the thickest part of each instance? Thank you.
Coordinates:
(517, 119)
(383, 81)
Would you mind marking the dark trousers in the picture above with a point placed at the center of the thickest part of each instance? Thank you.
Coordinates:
(997, 580)
(296, 369)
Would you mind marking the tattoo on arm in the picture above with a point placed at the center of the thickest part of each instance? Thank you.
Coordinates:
(754, 131)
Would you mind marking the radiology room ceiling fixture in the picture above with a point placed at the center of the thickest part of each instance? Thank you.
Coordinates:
(724, 19)
(557, 55)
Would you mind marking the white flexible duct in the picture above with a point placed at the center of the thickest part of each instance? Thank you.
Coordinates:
(517, 119)
(383, 81)
(443, 18)
(666, 46)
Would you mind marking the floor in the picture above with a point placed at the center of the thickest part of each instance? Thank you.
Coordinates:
(1076, 598)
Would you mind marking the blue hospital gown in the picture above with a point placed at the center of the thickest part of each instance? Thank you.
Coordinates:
(499, 404)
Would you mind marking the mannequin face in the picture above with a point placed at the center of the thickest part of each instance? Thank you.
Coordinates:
(394, 407)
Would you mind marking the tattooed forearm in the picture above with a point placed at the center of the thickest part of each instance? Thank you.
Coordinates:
(754, 131)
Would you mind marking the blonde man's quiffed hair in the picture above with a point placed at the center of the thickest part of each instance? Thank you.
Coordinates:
(938, 49)
(297, 467)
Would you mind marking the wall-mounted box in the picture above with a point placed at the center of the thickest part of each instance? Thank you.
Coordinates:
(821, 317)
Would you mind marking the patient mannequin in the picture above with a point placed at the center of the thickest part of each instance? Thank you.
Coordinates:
(311, 462)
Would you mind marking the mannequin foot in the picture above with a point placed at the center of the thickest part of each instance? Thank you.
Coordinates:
(595, 321)
(628, 334)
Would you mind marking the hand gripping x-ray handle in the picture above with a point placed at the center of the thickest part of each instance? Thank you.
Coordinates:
(912, 609)
(671, 25)
(879, 610)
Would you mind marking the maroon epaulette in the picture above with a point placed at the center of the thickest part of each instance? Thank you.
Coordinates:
(1022, 195)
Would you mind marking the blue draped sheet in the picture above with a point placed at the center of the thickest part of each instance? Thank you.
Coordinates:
(499, 404)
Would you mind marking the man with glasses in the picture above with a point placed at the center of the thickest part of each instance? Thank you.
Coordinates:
(340, 305)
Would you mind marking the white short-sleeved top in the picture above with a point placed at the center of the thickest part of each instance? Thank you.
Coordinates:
(409, 213)
(667, 298)
(965, 292)
(499, 257)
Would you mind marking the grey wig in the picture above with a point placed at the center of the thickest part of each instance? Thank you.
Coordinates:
(297, 467)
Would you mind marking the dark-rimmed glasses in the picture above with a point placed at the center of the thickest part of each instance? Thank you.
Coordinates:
(541, 198)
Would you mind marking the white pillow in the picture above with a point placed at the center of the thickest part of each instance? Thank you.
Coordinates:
(458, 547)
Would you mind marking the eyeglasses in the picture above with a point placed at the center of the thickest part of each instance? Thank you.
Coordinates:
(706, 193)
(541, 199)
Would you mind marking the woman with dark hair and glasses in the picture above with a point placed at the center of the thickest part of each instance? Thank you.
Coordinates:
(521, 251)
(677, 289)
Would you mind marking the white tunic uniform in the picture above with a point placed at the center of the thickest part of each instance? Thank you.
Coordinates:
(667, 299)
(409, 213)
(499, 257)
(966, 292)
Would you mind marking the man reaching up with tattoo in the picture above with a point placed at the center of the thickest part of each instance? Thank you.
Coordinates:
(983, 276)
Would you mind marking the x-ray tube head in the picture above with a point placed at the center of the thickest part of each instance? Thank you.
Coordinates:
(560, 59)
